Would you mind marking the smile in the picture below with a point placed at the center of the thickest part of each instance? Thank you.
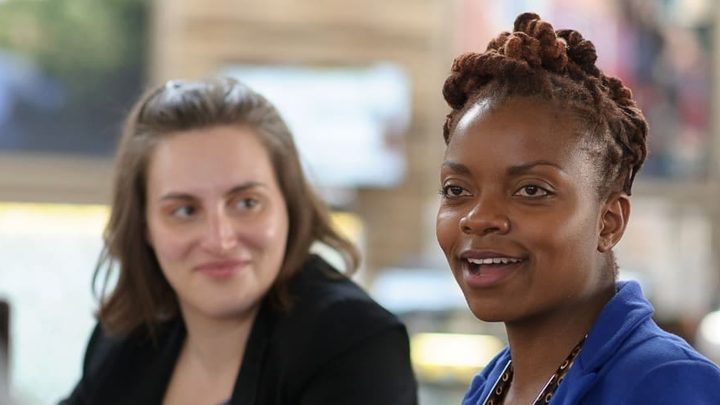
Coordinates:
(490, 271)
(222, 269)
(495, 260)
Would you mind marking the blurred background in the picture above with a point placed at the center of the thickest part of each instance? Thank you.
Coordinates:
(359, 82)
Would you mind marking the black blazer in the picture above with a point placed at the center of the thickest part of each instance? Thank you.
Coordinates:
(335, 346)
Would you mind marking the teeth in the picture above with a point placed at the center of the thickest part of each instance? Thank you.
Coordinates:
(495, 260)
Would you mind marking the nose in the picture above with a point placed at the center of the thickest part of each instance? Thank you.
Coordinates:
(485, 217)
(220, 235)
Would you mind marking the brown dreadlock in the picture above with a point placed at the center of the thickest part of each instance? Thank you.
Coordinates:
(558, 66)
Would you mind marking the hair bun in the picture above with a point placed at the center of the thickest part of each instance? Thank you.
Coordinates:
(460, 83)
(538, 43)
(523, 47)
(581, 51)
(524, 20)
(619, 92)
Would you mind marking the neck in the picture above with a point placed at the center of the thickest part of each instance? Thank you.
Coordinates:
(539, 345)
(217, 345)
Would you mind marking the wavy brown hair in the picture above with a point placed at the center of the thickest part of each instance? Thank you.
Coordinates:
(557, 66)
(142, 297)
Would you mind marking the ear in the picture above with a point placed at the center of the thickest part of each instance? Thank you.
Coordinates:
(613, 220)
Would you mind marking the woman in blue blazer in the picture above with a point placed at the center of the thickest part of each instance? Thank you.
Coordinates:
(542, 150)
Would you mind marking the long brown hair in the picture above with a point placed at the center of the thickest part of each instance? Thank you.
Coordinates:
(142, 297)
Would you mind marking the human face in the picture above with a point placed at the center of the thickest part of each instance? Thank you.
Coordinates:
(518, 191)
(216, 218)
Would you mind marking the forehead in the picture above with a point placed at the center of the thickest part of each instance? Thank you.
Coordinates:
(209, 157)
(519, 129)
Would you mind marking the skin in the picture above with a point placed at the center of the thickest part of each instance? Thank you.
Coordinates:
(218, 223)
(518, 184)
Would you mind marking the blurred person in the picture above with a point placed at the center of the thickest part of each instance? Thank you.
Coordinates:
(218, 299)
(541, 152)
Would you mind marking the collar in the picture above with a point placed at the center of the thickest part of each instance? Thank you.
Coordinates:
(616, 322)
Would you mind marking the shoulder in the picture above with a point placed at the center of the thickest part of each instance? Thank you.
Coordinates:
(330, 314)
(651, 347)
(337, 345)
(655, 365)
(101, 352)
(322, 296)
(114, 364)
(688, 381)
(104, 348)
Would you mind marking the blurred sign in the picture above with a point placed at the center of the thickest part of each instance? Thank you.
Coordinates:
(348, 122)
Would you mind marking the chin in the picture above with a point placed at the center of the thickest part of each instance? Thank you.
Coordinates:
(228, 310)
(485, 317)
(488, 312)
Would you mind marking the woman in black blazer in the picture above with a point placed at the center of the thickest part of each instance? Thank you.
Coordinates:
(218, 299)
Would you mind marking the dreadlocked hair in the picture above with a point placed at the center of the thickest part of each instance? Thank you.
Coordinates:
(559, 66)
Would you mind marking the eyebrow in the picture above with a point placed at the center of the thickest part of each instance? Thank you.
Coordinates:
(526, 167)
(456, 167)
(237, 189)
(511, 171)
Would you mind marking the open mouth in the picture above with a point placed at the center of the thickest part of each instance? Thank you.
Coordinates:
(477, 265)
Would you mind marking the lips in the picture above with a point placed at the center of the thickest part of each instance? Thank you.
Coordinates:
(221, 268)
(484, 269)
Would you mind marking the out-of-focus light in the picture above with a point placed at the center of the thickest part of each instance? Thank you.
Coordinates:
(707, 339)
(443, 357)
(710, 328)
(349, 225)
(52, 219)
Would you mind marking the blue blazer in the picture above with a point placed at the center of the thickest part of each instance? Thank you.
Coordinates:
(626, 359)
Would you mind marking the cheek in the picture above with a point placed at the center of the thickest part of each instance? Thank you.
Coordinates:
(569, 240)
(271, 232)
(446, 230)
(169, 245)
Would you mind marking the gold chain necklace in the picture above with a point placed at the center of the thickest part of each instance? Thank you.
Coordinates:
(501, 386)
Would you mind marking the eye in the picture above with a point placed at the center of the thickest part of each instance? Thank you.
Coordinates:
(183, 211)
(245, 203)
(453, 191)
(532, 191)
